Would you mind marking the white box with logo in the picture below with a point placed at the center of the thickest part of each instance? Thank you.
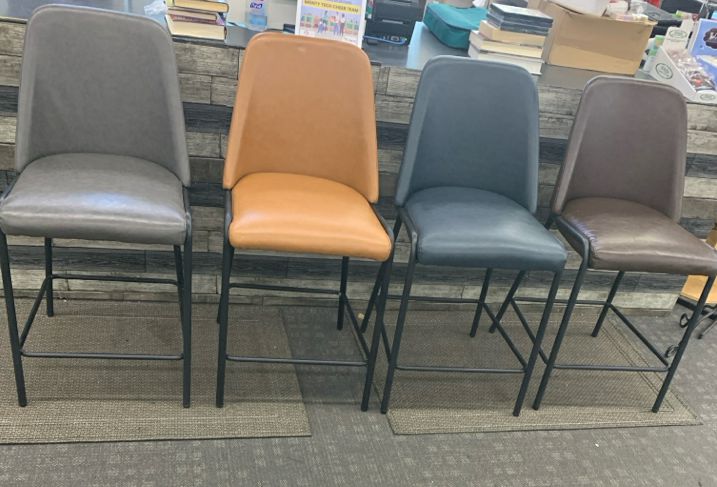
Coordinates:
(665, 71)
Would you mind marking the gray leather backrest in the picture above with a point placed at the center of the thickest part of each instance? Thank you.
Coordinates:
(629, 141)
(474, 124)
(96, 81)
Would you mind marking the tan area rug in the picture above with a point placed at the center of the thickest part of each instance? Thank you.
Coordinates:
(429, 402)
(72, 400)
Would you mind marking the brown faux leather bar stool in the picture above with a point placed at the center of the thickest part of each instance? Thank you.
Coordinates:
(301, 173)
(618, 200)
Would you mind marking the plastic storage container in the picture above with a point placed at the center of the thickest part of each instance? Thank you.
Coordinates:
(256, 18)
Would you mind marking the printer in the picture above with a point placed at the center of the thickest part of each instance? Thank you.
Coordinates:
(393, 19)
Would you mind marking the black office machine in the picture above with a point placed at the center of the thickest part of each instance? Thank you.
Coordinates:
(393, 19)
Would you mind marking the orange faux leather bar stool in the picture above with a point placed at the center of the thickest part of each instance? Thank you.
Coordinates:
(301, 173)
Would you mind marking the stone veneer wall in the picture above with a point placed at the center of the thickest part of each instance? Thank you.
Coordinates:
(208, 76)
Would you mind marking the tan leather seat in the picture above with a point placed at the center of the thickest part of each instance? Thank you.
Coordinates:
(302, 163)
(304, 214)
(628, 236)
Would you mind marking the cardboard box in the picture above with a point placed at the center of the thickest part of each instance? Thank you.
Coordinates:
(595, 43)
(695, 284)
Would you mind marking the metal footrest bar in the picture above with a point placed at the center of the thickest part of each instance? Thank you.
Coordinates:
(470, 370)
(503, 333)
(589, 302)
(618, 368)
(92, 277)
(638, 334)
(101, 355)
(300, 361)
(500, 329)
(429, 299)
(615, 368)
(348, 309)
(89, 355)
(296, 361)
(291, 289)
(396, 297)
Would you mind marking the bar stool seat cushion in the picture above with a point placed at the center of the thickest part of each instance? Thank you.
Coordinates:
(96, 197)
(629, 236)
(476, 228)
(305, 214)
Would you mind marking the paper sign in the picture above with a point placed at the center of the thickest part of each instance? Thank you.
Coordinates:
(341, 20)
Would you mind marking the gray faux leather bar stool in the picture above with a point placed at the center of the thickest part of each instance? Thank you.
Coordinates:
(100, 153)
(618, 199)
(468, 188)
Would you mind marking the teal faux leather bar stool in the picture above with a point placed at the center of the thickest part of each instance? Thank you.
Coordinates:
(618, 200)
(467, 191)
(100, 155)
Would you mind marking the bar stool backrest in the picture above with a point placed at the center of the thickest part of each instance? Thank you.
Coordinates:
(474, 124)
(629, 142)
(304, 106)
(95, 81)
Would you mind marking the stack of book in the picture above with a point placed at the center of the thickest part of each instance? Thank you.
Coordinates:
(512, 35)
(197, 18)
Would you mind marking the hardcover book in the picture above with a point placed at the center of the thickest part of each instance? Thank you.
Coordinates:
(200, 29)
(184, 15)
(532, 65)
(703, 46)
(492, 33)
(483, 44)
(202, 5)
(520, 27)
(519, 14)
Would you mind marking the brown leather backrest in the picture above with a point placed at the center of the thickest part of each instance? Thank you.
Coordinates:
(304, 106)
(629, 141)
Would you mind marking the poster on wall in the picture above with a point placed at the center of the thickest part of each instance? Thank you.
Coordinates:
(703, 46)
(341, 20)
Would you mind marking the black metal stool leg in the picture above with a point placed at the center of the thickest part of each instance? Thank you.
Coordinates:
(567, 314)
(186, 316)
(227, 258)
(371, 302)
(12, 321)
(504, 307)
(683, 343)
(377, 285)
(179, 269)
(342, 292)
(400, 321)
(537, 344)
(481, 302)
(608, 302)
(48, 275)
(384, 276)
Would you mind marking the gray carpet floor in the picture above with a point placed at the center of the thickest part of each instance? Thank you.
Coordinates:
(353, 448)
